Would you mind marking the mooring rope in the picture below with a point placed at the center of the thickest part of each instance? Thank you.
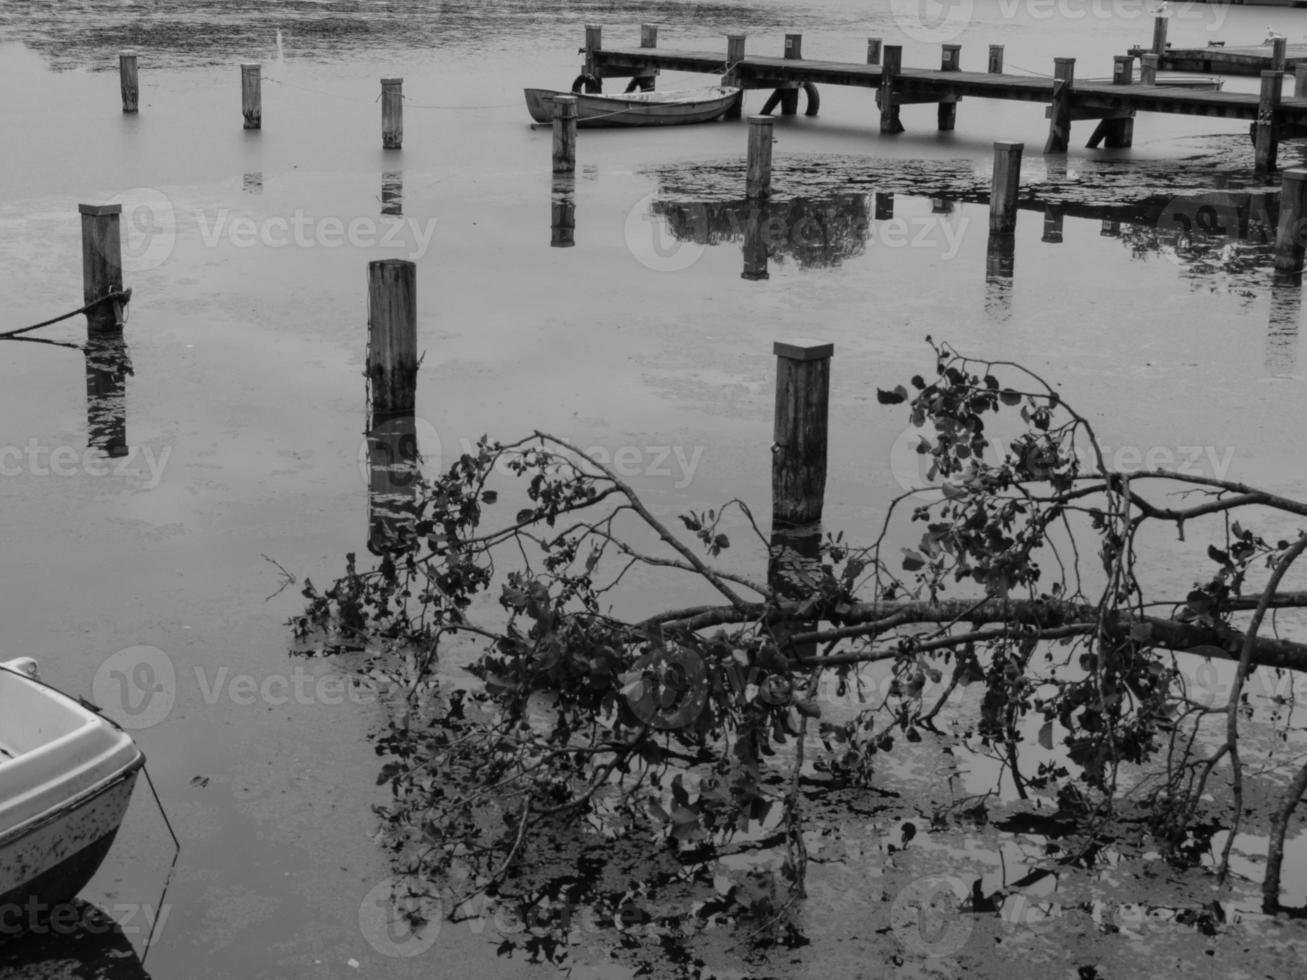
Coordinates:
(177, 850)
(125, 295)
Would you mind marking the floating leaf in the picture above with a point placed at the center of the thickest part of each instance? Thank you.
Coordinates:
(899, 394)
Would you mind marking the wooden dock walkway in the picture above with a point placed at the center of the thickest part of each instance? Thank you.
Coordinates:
(1114, 104)
(1243, 59)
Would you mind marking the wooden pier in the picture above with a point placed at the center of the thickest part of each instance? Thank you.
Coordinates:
(1243, 59)
(1114, 103)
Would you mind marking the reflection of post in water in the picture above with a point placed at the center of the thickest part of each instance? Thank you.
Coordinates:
(1052, 224)
(1000, 259)
(1282, 330)
(941, 205)
(1110, 229)
(107, 367)
(562, 211)
(392, 366)
(883, 206)
(252, 183)
(794, 573)
(755, 241)
(392, 192)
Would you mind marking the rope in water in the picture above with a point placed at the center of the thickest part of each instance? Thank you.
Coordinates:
(177, 850)
(125, 295)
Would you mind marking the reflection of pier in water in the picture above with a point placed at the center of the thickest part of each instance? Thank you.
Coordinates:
(107, 368)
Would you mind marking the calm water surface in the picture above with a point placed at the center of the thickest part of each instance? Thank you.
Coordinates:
(244, 408)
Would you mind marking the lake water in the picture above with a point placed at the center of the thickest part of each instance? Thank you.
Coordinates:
(247, 255)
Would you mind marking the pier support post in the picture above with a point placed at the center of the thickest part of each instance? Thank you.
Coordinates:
(107, 367)
(594, 41)
(995, 59)
(392, 113)
(950, 60)
(127, 81)
(886, 96)
(562, 213)
(1291, 235)
(648, 39)
(757, 185)
(565, 115)
(734, 55)
(1004, 187)
(1117, 131)
(754, 247)
(1059, 113)
(798, 473)
(392, 362)
(1279, 46)
(1300, 80)
(1052, 225)
(789, 92)
(252, 96)
(1159, 35)
(1148, 69)
(102, 266)
(873, 50)
(1265, 135)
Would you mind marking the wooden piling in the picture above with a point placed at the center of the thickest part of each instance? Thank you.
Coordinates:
(887, 94)
(1059, 115)
(1052, 225)
(1278, 47)
(794, 47)
(1300, 80)
(1004, 187)
(252, 96)
(757, 184)
(799, 442)
(873, 50)
(1148, 69)
(1265, 135)
(648, 39)
(562, 213)
(127, 80)
(754, 247)
(995, 59)
(102, 266)
(1117, 130)
(594, 41)
(107, 368)
(950, 60)
(1000, 256)
(1159, 35)
(392, 113)
(392, 361)
(734, 55)
(1291, 235)
(789, 91)
(564, 134)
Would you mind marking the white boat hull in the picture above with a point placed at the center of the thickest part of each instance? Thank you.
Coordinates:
(637, 108)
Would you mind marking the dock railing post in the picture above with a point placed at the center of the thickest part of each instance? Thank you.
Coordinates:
(1159, 35)
(995, 59)
(1148, 69)
(873, 50)
(1265, 132)
(950, 60)
(800, 432)
(1300, 80)
(565, 116)
(790, 90)
(1291, 235)
(1119, 129)
(102, 266)
(1004, 187)
(392, 113)
(889, 104)
(127, 80)
(1279, 46)
(648, 39)
(734, 55)
(757, 185)
(252, 96)
(594, 41)
(392, 360)
(1059, 116)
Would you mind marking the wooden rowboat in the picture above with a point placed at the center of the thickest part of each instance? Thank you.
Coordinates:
(66, 777)
(637, 108)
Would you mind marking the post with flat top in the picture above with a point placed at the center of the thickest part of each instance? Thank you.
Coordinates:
(1148, 69)
(252, 96)
(1300, 80)
(873, 50)
(392, 361)
(392, 113)
(1278, 50)
(887, 96)
(798, 473)
(594, 41)
(1159, 34)
(789, 91)
(1059, 113)
(648, 39)
(734, 55)
(1118, 130)
(758, 177)
(1004, 188)
(1265, 135)
(102, 266)
(127, 82)
(950, 60)
(995, 59)
(564, 134)
(1291, 235)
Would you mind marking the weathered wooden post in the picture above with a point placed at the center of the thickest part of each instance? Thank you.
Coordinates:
(734, 55)
(564, 134)
(1117, 130)
(648, 39)
(888, 97)
(594, 41)
(102, 266)
(392, 192)
(392, 113)
(1059, 113)
(950, 60)
(1148, 69)
(562, 213)
(1159, 35)
(107, 367)
(252, 96)
(1291, 235)
(757, 184)
(392, 362)
(790, 90)
(1265, 134)
(1000, 255)
(995, 59)
(1300, 80)
(1004, 187)
(873, 50)
(393, 471)
(1278, 47)
(127, 80)
(798, 472)
(755, 241)
(1052, 225)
